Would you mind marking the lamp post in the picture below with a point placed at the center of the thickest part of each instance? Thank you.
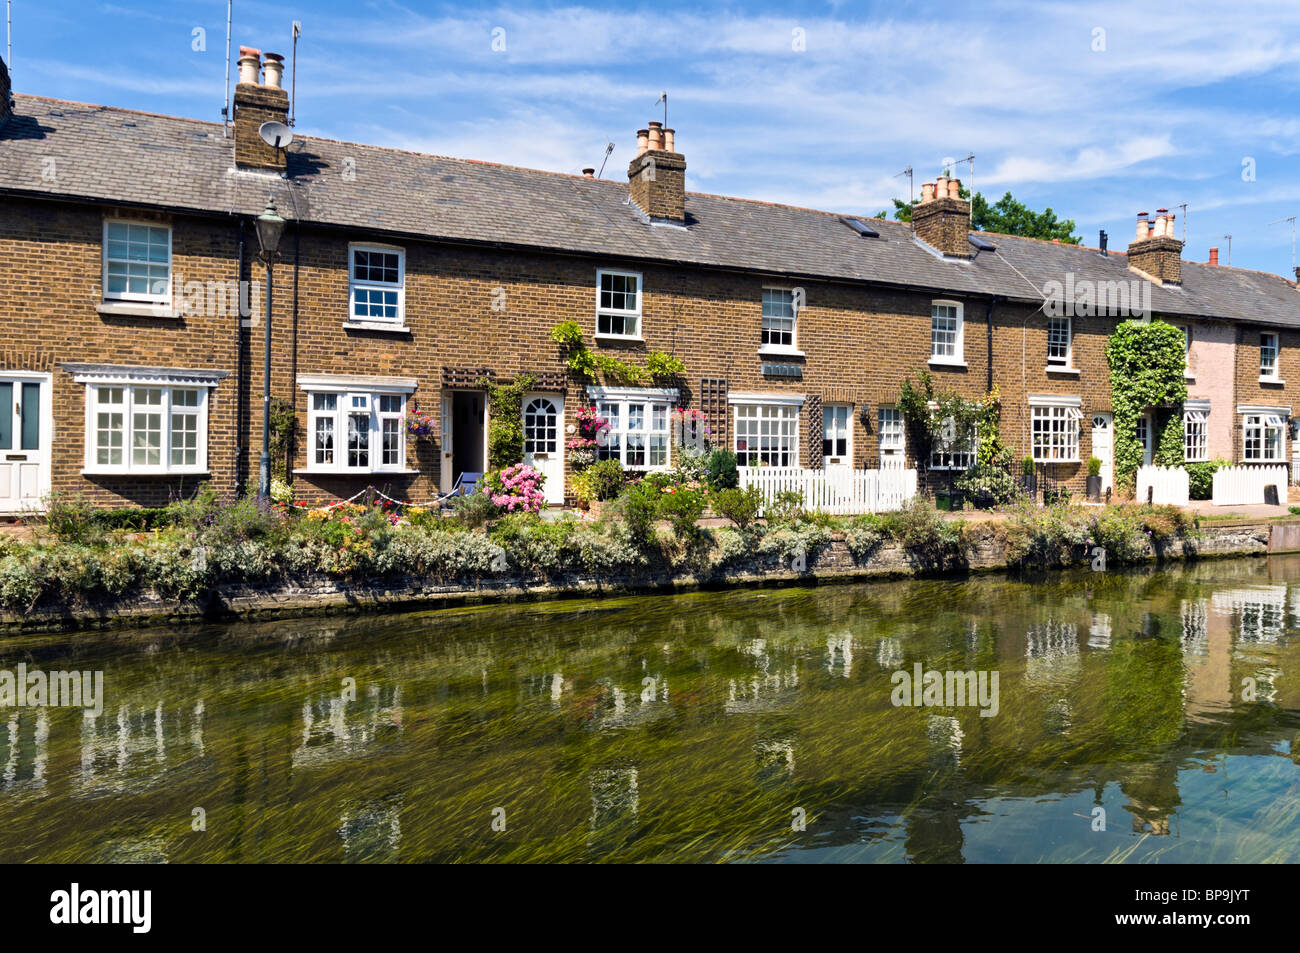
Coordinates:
(270, 226)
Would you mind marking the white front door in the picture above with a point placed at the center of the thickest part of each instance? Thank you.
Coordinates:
(25, 432)
(889, 427)
(837, 448)
(1103, 447)
(543, 448)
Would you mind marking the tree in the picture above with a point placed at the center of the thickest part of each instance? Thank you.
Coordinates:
(1006, 216)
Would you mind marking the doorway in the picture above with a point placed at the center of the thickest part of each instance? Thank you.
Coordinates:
(26, 427)
(1103, 447)
(464, 440)
(543, 416)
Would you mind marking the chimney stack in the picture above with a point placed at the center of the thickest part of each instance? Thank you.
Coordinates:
(657, 175)
(256, 103)
(6, 106)
(1214, 256)
(942, 219)
(1155, 252)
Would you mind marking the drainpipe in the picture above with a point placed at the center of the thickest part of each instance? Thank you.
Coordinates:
(239, 364)
(992, 302)
(293, 372)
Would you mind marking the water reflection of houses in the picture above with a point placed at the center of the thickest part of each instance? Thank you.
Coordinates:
(615, 799)
(132, 749)
(839, 654)
(24, 751)
(337, 727)
(1052, 652)
(1261, 609)
(372, 832)
(618, 711)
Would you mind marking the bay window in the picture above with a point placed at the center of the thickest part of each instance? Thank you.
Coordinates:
(765, 433)
(1055, 429)
(145, 420)
(356, 424)
(638, 422)
(1263, 437)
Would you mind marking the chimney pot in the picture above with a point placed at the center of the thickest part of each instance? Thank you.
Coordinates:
(642, 140)
(656, 135)
(669, 137)
(250, 64)
(274, 67)
(589, 173)
(927, 192)
(954, 188)
(1214, 256)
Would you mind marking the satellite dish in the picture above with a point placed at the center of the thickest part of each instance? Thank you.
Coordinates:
(275, 134)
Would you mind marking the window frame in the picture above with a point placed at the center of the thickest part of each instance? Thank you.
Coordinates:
(830, 408)
(343, 392)
(128, 296)
(960, 456)
(1263, 427)
(789, 416)
(622, 313)
(1276, 374)
(899, 445)
(355, 285)
(958, 357)
(651, 400)
(1066, 362)
(766, 347)
(168, 411)
(1071, 413)
(1199, 438)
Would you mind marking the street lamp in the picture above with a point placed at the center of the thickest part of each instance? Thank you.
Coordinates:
(270, 226)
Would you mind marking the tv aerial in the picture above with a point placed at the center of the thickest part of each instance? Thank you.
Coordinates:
(275, 134)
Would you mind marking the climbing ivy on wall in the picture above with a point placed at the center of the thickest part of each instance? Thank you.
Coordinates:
(506, 420)
(660, 367)
(1147, 367)
(926, 410)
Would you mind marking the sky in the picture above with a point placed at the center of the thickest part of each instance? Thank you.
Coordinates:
(1096, 110)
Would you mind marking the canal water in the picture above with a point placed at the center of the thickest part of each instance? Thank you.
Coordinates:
(1142, 716)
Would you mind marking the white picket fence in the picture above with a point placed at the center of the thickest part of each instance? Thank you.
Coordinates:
(1236, 486)
(836, 490)
(1163, 484)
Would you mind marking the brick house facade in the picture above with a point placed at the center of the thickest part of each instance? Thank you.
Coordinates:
(403, 295)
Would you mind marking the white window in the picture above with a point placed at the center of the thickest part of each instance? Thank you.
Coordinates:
(946, 338)
(1263, 437)
(355, 428)
(618, 304)
(137, 261)
(376, 285)
(1055, 432)
(837, 433)
(1058, 342)
(890, 429)
(636, 431)
(766, 434)
(952, 450)
(1268, 349)
(1196, 436)
(146, 429)
(779, 316)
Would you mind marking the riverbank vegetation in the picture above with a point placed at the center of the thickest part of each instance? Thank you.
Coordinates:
(78, 554)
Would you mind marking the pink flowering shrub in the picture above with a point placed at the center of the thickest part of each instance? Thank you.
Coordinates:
(516, 488)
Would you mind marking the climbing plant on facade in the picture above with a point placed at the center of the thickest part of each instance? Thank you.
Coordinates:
(660, 367)
(1148, 364)
(506, 420)
(926, 413)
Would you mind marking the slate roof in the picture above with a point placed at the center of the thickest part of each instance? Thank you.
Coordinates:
(121, 156)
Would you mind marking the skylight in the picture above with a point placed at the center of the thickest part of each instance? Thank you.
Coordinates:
(861, 227)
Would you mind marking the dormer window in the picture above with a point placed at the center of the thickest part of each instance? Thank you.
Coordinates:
(618, 304)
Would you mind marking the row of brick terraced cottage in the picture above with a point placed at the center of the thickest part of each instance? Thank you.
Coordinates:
(404, 280)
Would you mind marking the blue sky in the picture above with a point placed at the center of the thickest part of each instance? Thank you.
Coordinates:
(1098, 110)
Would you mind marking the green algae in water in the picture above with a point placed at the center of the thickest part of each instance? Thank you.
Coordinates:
(739, 726)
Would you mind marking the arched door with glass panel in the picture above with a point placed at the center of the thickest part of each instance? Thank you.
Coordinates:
(543, 419)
